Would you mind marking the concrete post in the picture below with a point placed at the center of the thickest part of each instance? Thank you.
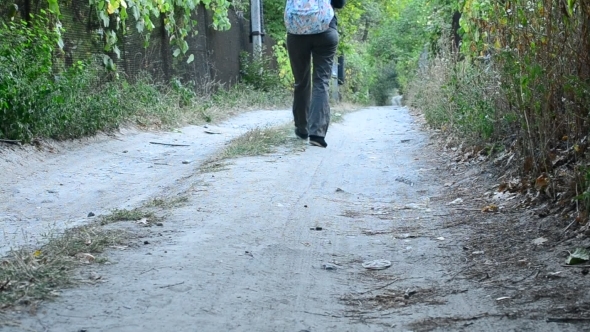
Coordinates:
(256, 28)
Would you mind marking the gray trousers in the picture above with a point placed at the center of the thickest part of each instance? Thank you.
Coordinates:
(311, 107)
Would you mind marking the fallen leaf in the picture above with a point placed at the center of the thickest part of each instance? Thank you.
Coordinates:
(503, 298)
(580, 255)
(490, 208)
(542, 182)
(457, 201)
(554, 275)
(87, 258)
(37, 253)
(539, 241)
(143, 221)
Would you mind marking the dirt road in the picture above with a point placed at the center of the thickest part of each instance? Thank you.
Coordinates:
(275, 243)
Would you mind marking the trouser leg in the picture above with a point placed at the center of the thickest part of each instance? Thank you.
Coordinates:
(323, 52)
(299, 49)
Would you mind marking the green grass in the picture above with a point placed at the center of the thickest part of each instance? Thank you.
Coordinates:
(256, 142)
(127, 215)
(167, 203)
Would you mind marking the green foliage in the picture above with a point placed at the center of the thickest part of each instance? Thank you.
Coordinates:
(540, 51)
(384, 84)
(79, 101)
(25, 75)
(359, 73)
(177, 17)
(258, 72)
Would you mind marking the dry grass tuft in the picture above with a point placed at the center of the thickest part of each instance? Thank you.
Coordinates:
(29, 276)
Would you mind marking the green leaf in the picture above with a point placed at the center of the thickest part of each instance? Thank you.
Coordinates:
(123, 13)
(105, 19)
(191, 58)
(54, 7)
(139, 26)
(176, 52)
(580, 255)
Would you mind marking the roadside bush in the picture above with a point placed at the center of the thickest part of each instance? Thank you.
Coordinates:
(461, 96)
(359, 72)
(258, 73)
(25, 76)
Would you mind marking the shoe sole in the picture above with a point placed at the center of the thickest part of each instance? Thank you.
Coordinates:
(316, 144)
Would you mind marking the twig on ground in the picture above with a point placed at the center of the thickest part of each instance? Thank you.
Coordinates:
(461, 271)
(176, 284)
(380, 287)
(530, 275)
(146, 271)
(567, 320)
(562, 241)
(10, 141)
(582, 266)
(568, 226)
(320, 314)
(169, 144)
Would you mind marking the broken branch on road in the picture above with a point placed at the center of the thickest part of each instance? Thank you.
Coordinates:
(169, 144)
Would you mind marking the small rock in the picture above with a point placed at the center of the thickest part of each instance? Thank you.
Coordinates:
(585, 271)
(186, 161)
(146, 242)
(94, 276)
(91, 214)
(125, 151)
(378, 264)
(159, 224)
(408, 294)
(330, 266)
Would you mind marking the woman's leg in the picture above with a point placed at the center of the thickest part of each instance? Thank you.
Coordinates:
(323, 52)
(299, 49)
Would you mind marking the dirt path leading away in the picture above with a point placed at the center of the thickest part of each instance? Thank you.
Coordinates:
(277, 243)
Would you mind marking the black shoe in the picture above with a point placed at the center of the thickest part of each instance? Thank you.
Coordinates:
(317, 141)
(300, 135)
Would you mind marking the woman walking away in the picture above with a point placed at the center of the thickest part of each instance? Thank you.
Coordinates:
(312, 37)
